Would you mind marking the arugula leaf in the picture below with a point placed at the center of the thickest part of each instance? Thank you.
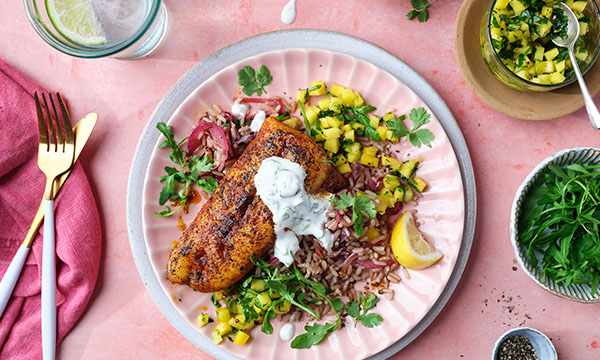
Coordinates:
(420, 10)
(208, 184)
(314, 335)
(361, 205)
(367, 303)
(252, 81)
(190, 169)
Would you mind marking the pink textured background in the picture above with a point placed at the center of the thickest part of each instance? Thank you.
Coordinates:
(122, 321)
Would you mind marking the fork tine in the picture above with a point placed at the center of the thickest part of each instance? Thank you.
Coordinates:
(52, 138)
(59, 131)
(43, 130)
(70, 139)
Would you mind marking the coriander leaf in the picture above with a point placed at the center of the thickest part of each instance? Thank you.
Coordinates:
(419, 4)
(208, 184)
(314, 335)
(371, 320)
(365, 109)
(397, 127)
(342, 201)
(353, 309)
(412, 14)
(370, 302)
(364, 203)
(337, 304)
(200, 165)
(423, 16)
(421, 137)
(419, 117)
(264, 78)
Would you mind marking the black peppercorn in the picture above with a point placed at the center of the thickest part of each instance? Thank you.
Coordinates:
(516, 348)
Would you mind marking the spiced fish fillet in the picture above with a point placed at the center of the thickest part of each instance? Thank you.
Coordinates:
(214, 251)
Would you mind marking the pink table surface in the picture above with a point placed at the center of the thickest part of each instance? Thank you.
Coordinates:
(122, 322)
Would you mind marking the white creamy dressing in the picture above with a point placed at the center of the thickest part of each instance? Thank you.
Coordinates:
(258, 120)
(280, 184)
(287, 332)
(239, 111)
(288, 14)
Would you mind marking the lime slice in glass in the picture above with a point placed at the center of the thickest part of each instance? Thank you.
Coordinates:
(76, 20)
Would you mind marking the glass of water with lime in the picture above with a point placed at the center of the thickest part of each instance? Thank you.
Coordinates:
(124, 29)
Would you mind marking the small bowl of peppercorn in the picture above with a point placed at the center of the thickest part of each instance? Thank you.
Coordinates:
(523, 343)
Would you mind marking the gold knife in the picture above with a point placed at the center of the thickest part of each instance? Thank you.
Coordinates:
(82, 132)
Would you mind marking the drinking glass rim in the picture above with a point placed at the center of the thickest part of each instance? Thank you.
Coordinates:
(64, 47)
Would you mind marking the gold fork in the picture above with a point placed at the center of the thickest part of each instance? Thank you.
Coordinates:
(56, 154)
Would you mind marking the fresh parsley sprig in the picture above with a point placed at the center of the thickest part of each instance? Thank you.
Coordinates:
(353, 309)
(188, 173)
(362, 207)
(416, 135)
(253, 81)
(360, 115)
(420, 10)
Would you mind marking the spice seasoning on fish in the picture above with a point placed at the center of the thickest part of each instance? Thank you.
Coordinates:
(517, 348)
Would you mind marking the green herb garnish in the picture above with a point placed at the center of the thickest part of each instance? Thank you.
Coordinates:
(419, 10)
(254, 81)
(416, 136)
(361, 206)
(353, 309)
(188, 173)
(560, 220)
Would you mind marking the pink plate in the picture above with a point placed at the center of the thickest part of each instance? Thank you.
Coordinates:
(440, 213)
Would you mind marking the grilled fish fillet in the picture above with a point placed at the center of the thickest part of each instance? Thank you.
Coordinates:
(213, 253)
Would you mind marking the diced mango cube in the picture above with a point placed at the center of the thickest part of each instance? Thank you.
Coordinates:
(264, 300)
(202, 320)
(372, 234)
(223, 314)
(374, 121)
(335, 104)
(369, 160)
(381, 204)
(539, 53)
(349, 135)
(347, 97)
(312, 112)
(302, 95)
(408, 168)
(390, 182)
(370, 151)
(336, 90)
(223, 328)
(382, 131)
(219, 295)
(399, 194)
(560, 66)
(353, 152)
(283, 308)
(357, 126)
(579, 6)
(240, 338)
(393, 163)
(324, 104)
(501, 4)
(358, 100)
(420, 185)
(215, 337)
(344, 168)
(557, 78)
(331, 133)
(547, 12)
(292, 122)
(551, 54)
(257, 285)
(544, 67)
(583, 28)
(321, 88)
(332, 145)
(408, 194)
(517, 6)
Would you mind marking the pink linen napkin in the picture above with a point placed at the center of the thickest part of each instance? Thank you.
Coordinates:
(78, 233)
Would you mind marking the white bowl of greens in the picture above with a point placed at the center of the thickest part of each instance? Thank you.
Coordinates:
(555, 223)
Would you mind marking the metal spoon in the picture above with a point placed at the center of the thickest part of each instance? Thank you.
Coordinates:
(569, 43)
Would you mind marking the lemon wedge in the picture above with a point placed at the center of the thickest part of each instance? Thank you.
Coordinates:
(76, 20)
(410, 249)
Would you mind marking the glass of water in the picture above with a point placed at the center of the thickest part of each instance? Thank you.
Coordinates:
(124, 29)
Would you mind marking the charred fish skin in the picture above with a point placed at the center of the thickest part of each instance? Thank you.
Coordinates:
(214, 252)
